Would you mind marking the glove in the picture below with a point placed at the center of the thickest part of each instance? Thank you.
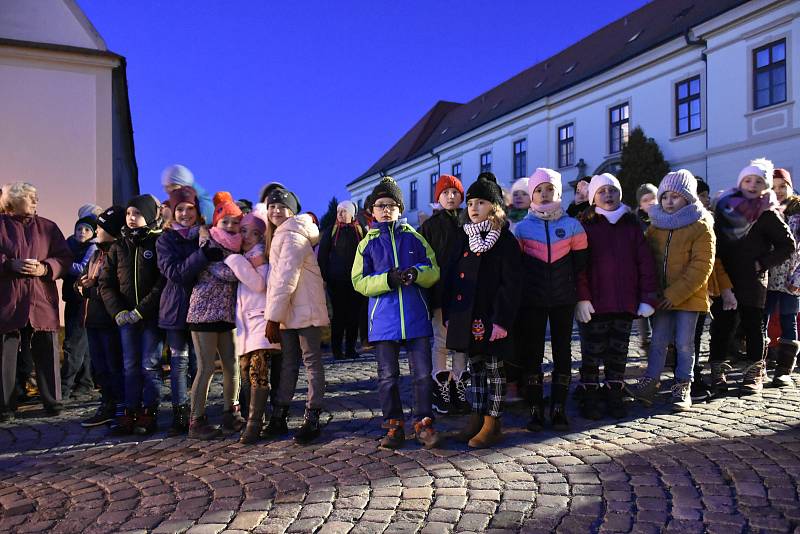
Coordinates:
(212, 253)
(121, 318)
(645, 310)
(584, 311)
(273, 333)
(134, 317)
(410, 276)
(394, 278)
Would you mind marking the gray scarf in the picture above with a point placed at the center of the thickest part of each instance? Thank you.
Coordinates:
(672, 221)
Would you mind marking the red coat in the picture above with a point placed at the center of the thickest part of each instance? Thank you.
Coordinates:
(621, 270)
(27, 299)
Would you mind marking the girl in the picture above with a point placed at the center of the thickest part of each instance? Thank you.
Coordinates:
(752, 238)
(520, 202)
(251, 269)
(618, 285)
(295, 310)
(681, 238)
(131, 286)
(555, 254)
(211, 317)
(181, 260)
(481, 304)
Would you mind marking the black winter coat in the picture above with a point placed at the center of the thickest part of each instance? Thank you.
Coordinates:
(337, 251)
(443, 233)
(95, 314)
(482, 289)
(131, 279)
(180, 261)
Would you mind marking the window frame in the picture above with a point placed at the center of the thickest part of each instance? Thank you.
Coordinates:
(453, 167)
(412, 195)
(522, 156)
(769, 68)
(687, 100)
(569, 161)
(433, 179)
(485, 167)
(619, 124)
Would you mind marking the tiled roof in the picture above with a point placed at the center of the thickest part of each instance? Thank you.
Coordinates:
(646, 28)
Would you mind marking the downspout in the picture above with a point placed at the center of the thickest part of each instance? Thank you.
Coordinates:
(704, 56)
(438, 163)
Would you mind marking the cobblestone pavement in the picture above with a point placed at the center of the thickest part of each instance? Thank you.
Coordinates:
(727, 466)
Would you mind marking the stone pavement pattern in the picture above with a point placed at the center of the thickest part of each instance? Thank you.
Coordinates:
(727, 466)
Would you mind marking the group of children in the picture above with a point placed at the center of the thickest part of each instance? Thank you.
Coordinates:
(482, 284)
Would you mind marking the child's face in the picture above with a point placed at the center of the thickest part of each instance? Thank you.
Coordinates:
(607, 198)
(478, 209)
(672, 202)
(450, 198)
(343, 216)
(83, 233)
(781, 189)
(186, 214)
(251, 236)
(386, 210)
(705, 199)
(647, 200)
(521, 200)
(134, 218)
(103, 236)
(752, 186)
(544, 194)
(278, 213)
(230, 224)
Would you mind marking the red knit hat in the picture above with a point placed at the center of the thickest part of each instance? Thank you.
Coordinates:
(447, 181)
(224, 206)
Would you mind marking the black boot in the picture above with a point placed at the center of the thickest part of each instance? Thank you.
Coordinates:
(535, 393)
(310, 430)
(785, 361)
(258, 403)
(180, 420)
(278, 425)
(590, 401)
(558, 402)
(146, 421)
(459, 405)
(615, 404)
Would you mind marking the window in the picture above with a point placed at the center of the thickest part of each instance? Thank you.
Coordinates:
(769, 74)
(434, 180)
(687, 106)
(618, 119)
(456, 170)
(520, 158)
(412, 198)
(486, 162)
(566, 145)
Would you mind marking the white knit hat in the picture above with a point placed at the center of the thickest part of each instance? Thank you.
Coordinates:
(520, 185)
(761, 167)
(682, 182)
(349, 206)
(599, 180)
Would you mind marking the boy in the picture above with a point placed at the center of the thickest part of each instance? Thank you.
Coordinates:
(392, 264)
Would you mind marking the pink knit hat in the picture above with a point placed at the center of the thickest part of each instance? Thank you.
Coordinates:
(257, 217)
(543, 175)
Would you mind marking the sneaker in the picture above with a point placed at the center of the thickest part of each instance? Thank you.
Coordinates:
(395, 437)
(753, 378)
(441, 393)
(425, 434)
(458, 396)
(681, 397)
(104, 414)
(700, 392)
(644, 390)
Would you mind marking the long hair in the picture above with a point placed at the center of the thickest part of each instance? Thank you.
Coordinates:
(497, 217)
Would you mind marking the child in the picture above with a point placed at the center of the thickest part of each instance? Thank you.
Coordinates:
(76, 367)
(555, 254)
(580, 203)
(618, 285)
(252, 270)
(131, 286)
(645, 199)
(443, 235)
(105, 349)
(752, 238)
(295, 311)
(181, 260)
(681, 238)
(520, 202)
(393, 265)
(210, 318)
(481, 303)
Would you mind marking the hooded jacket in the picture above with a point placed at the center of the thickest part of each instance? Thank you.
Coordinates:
(181, 261)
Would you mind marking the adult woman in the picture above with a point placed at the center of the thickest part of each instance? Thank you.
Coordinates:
(33, 255)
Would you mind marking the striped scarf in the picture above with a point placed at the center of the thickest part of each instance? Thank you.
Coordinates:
(481, 236)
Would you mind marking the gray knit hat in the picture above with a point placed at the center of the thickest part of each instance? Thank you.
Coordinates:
(682, 182)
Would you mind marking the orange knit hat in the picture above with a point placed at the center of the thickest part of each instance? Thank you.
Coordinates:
(447, 181)
(224, 206)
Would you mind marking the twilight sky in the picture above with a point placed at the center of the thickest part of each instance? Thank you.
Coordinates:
(312, 93)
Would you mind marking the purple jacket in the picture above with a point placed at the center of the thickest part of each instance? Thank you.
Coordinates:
(180, 261)
(28, 299)
(621, 272)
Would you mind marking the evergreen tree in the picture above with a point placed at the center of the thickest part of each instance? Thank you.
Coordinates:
(642, 162)
(330, 216)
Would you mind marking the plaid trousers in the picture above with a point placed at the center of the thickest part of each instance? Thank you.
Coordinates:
(604, 341)
(488, 384)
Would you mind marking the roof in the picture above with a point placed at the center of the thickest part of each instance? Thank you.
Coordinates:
(646, 28)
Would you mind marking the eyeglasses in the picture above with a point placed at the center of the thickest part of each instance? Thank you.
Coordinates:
(385, 207)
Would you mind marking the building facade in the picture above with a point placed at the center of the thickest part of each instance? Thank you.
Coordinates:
(714, 83)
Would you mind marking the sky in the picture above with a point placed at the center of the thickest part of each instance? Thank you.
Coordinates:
(312, 93)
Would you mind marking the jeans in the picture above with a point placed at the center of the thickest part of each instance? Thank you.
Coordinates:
(303, 345)
(76, 370)
(387, 353)
(787, 308)
(105, 349)
(440, 350)
(180, 345)
(141, 356)
(672, 327)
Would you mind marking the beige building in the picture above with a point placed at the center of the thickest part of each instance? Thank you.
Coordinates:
(64, 116)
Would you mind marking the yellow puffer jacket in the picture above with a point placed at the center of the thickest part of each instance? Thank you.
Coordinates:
(684, 261)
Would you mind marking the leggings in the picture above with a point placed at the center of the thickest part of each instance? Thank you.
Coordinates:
(604, 341)
(207, 345)
(723, 329)
(488, 384)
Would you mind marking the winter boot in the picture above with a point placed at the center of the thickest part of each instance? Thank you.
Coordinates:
(395, 436)
(558, 402)
(489, 435)
(681, 396)
(441, 393)
(258, 403)
(719, 379)
(200, 429)
(310, 429)
(146, 421)
(277, 425)
(180, 420)
(232, 419)
(244, 396)
(753, 379)
(425, 433)
(459, 404)
(590, 400)
(474, 426)
(535, 393)
(785, 362)
(615, 403)
(124, 420)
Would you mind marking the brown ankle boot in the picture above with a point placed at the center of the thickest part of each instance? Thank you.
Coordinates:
(474, 426)
(489, 435)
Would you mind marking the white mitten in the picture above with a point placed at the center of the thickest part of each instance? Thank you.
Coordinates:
(645, 310)
(584, 311)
